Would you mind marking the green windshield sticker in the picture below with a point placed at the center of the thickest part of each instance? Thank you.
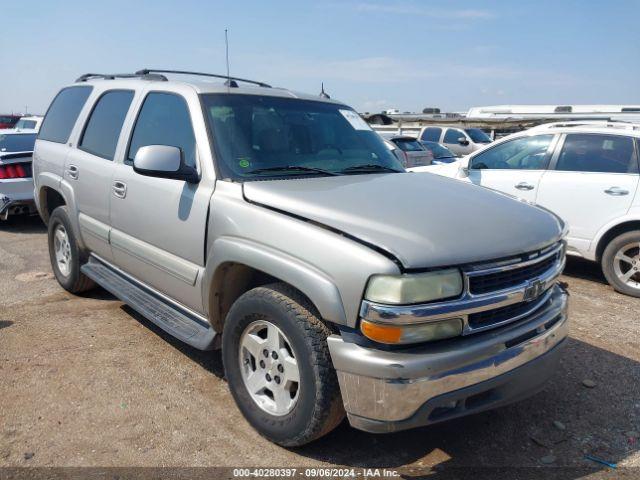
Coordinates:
(244, 162)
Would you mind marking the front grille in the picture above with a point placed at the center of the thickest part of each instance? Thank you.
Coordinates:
(499, 315)
(492, 282)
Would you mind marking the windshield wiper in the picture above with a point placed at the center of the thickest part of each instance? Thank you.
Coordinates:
(287, 168)
(370, 167)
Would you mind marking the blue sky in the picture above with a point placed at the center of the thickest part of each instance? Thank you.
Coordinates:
(372, 54)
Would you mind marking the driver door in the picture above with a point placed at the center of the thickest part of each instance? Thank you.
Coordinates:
(515, 166)
(457, 141)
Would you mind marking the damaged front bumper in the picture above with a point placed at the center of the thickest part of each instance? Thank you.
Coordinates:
(385, 391)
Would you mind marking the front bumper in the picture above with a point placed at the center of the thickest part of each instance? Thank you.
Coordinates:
(385, 391)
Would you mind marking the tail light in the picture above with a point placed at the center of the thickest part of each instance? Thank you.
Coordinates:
(406, 159)
(15, 170)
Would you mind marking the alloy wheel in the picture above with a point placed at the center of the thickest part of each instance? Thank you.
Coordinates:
(269, 368)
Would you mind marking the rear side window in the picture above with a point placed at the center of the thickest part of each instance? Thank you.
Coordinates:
(431, 134)
(164, 120)
(452, 136)
(105, 123)
(63, 113)
(597, 153)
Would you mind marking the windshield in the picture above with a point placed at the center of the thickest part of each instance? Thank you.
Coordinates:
(408, 144)
(258, 136)
(8, 120)
(477, 135)
(22, 142)
(25, 124)
(438, 151)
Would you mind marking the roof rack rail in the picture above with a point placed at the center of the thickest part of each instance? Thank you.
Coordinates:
(112, 76)
(230, 80)
(616, 124)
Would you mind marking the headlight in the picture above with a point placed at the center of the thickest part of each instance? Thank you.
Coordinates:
(414, 288)
(415, 333)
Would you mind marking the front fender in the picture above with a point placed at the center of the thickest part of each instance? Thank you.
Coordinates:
(312, 282)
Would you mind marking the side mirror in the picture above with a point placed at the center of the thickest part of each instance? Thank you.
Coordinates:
(463, 141)
(163, 161)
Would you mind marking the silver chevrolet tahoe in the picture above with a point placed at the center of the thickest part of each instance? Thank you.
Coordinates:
(279, 227)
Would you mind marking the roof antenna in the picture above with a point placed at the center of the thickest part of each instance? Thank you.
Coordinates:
(229, 83)
(323, 94)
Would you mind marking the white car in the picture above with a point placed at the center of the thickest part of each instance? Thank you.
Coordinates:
(30, 123)
(16, 182)
(586, 172)
(461, 141)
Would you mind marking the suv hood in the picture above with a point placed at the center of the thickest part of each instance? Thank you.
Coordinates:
(424, 220)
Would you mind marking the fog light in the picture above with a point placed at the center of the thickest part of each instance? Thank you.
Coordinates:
(406, 334)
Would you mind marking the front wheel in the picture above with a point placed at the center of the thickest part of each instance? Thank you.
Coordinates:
(278, 366)
(621, 263)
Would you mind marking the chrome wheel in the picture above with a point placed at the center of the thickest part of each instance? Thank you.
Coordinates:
(626, 265)
(62, 249)
(269, 368)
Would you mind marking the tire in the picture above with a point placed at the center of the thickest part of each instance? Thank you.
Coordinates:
(68, 274)
(616, 270)
(316, 402)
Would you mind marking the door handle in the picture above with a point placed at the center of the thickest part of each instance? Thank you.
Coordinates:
(119, 189)
(524, 186)
(73, 172)
(616, 191)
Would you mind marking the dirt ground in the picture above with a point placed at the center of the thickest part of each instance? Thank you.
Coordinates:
(84, 381)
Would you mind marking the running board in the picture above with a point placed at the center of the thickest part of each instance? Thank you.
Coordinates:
(171, 318)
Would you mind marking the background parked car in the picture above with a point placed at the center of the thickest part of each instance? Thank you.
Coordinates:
(410, 151)
(587, 173)
(16, 181)
(31, 122)
(461, 141)
(441, 154)
(8, 121)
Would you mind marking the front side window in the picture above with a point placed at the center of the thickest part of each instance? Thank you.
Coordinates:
(597, 153)
(164, 120)
(21, 142)
(525, 153)
(257, 136)
(431, 134)
(477, 135)
(63, 113)
(453, 136)
(105, 123)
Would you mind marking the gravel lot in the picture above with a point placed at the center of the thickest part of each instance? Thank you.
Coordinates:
(84, 381)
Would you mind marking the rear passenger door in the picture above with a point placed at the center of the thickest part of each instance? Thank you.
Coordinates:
(159, 224)
(591, 182)
(89, 167)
